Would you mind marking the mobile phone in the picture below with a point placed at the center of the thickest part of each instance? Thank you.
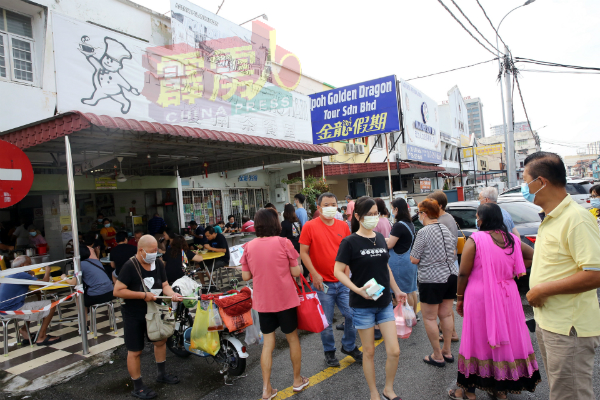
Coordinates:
(325, 288)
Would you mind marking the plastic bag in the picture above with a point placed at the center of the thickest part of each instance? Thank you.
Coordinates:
(402, 329)
(410, 318)
(253, 333)
(202, 338)
(216, 322)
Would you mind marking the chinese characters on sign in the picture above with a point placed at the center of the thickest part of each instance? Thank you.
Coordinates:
(425, 185)
(483, 150)
(248, 178)
(106, 183)
(364, 109)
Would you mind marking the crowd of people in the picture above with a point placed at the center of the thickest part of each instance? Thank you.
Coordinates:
(340, 254)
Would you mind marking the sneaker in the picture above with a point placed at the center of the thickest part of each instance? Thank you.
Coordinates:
(378, 334)
(331, 360)
(356, 354)
(340, 327)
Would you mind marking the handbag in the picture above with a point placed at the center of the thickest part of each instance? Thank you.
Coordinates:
(311, 316)
(460, 241)
(236, 310)
(160, 320)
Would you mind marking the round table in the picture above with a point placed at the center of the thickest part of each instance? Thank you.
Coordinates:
(211, 255)
(42, 271)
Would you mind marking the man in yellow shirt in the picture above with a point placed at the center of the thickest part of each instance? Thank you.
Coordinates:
(564, 277)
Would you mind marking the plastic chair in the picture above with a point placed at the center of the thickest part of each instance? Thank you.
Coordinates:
(5, 320)
(112, 321)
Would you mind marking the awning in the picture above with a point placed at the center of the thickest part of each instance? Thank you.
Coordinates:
(364, 168)
(171, 146)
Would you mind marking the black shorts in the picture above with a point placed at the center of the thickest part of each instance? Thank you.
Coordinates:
(93, 300)
(286, 319)
(435, 293)
(135, 332)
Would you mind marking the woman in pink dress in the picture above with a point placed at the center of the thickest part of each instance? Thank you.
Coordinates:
(495, 354)
(384, 226)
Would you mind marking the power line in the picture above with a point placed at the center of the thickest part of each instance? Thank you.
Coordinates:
(481, 34)
(490, 21)
(535, 136)
(553, 64)
(560, 72)
(454, 69)
(461, 24)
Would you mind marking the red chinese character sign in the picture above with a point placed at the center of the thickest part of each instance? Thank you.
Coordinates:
(350, 112)
(16, 174)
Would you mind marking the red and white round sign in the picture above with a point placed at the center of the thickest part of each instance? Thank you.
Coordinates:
(16, 174)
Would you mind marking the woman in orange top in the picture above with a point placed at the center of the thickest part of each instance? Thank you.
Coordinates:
(108, 234)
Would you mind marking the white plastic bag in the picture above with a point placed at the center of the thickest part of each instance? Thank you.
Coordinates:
(253, 333)
(410, 317)
(187, 286)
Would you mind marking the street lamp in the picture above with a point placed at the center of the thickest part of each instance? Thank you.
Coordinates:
(508, 137)
(264, 16)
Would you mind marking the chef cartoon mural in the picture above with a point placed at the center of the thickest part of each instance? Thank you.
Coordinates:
(107, 80)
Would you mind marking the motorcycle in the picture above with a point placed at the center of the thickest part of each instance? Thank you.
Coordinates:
(231, 356)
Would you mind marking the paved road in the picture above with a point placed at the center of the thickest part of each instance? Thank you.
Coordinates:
(200, 380)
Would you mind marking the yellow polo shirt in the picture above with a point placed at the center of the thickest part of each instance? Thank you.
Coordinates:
(567, 242)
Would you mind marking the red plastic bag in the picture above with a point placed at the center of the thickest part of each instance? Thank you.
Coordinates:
(402, 330)
(311, 316)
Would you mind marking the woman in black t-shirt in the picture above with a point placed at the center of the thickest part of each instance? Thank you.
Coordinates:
(177, 258)
(290, 228)
(129, 287)
(399, 244)
(365, 253)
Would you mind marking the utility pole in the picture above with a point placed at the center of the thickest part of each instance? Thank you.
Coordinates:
(510, 140)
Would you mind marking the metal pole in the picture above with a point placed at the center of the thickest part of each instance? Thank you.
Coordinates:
(323, 169)
(387, 152)
(510, 142)
(76, 264)
(502, 94)
(462, 184)
(474, 167)
(302, 168)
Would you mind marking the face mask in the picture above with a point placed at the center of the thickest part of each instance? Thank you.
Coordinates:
(595, 203)
(329, 212)
(100, 220)
(150, 257)
(478, 203)
(477, 223)
(107, 225)
(525, 191)
(370, 222)
(33, 233)
(421, 220)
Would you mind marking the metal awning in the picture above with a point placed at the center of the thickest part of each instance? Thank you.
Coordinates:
(156, 149)
(361, 170)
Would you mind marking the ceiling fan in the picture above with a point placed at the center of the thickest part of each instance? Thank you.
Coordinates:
(121, 176)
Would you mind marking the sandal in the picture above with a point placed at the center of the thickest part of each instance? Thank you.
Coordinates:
(431, 361)
(453, 339)
(452, 395)
(144, 393)
(387, 398)
(168, 378)
(448, 359)
(305, 382)
(273, 394)
(48, 342)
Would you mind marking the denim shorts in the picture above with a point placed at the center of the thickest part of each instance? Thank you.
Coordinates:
(365, 318)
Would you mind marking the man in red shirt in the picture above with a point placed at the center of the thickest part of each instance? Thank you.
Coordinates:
(349, 207)
(319, 243)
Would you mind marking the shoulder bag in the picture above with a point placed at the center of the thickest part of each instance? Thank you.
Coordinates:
(160, 320)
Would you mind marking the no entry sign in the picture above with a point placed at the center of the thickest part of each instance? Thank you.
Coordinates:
(16, 174)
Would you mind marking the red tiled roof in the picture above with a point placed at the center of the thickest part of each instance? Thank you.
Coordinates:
(67, 123)
(348, 169)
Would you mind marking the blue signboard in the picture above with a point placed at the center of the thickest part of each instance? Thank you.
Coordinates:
(424, 155)
(350, 112)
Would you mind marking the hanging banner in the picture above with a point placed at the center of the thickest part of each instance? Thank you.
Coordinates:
(483, 150)
(425, 185)
(364, 109)
(106, 183)
(223, 85)
(421, 126)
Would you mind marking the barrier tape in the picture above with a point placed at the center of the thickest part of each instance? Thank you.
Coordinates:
(12, 271)
(28, 282)
(46, 308)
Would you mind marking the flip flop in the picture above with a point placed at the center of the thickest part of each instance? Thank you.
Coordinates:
(431, 361)
(452, 395)
(144, 393)
(305, 382)
(449, 359)
(273, 395)
(453, 340)
(168, 378)
(387, 398)
(48, 342)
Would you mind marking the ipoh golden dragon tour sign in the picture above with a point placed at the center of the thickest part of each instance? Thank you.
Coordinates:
(216, 75)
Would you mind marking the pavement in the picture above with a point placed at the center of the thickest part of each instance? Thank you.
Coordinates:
(201, 380)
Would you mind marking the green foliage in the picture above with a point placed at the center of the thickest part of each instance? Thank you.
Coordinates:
(313, 189)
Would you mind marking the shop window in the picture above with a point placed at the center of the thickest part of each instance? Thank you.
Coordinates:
(16, 47)
(379, 142)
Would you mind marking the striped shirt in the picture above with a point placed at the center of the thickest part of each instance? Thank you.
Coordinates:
(434, 247)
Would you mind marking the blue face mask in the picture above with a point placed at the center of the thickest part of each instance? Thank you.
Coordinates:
(107, 225)
(477, 224)
(595, 203)
(100, 220)
(530, 197)
(32, 233)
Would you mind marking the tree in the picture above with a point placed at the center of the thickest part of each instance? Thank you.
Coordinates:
(314, 187)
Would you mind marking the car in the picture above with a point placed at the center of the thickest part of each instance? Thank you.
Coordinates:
(574, 188)
(525, 215)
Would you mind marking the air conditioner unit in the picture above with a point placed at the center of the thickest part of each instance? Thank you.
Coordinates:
(360, 148)
(349, 148)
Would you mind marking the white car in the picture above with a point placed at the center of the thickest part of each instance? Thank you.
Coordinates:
(577, 191)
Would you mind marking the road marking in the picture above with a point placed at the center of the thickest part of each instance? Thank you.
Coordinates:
(327, 373)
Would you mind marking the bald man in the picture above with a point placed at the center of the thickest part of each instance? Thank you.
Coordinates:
(129, 287)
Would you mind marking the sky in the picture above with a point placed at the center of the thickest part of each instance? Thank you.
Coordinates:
(345, 42)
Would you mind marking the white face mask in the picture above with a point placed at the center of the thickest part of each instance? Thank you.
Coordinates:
(150, 258)
(370, 222)
(328, 212)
